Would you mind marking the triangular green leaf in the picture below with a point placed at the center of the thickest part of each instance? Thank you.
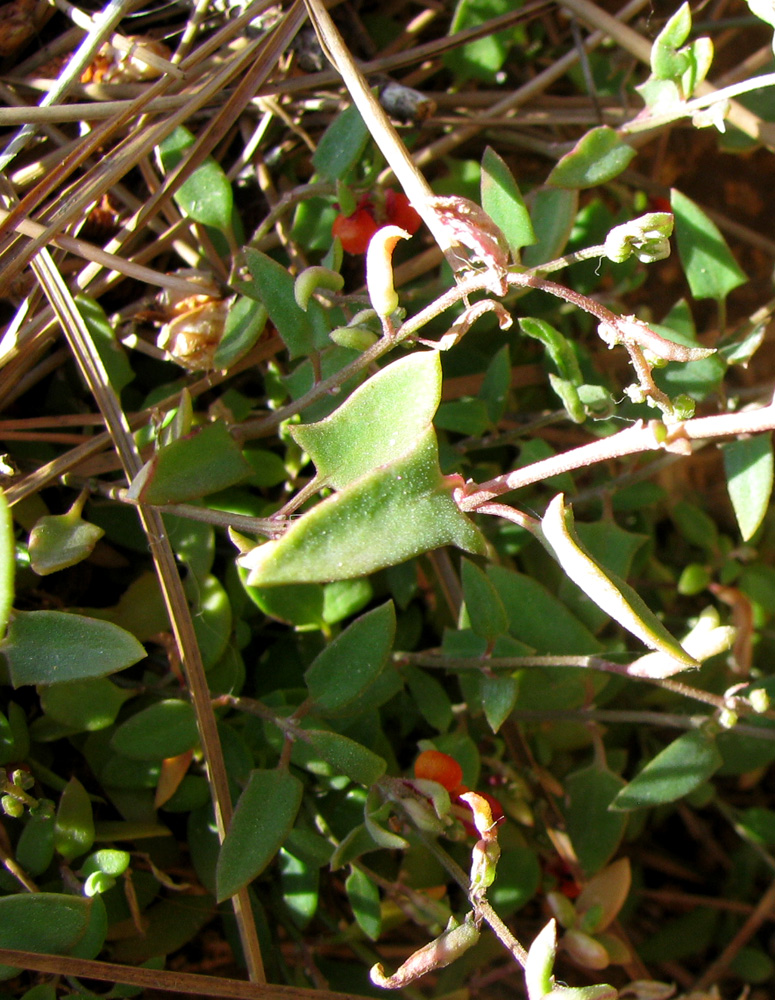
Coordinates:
(380, 421)
(397, 511)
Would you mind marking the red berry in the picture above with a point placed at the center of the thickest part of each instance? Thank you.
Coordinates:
(433, 765)
(400, 213)
(659, 204)
(355, 230)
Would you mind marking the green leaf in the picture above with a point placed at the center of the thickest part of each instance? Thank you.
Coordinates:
(598, 157)
(538, 618)
(483, 57)
(62, 540)
(204, 461)
(244, 325)
(345, 756)
(364, 900)
(212, 618)
(429, 696)
(667, 63)
(299, 883)
(297, 604)
(483, 607)
(165, 729)
(52, 647)
(7, 563)
(84, 706)
(50, 923)
(206, 195)
(499, 696)
(595, 832)
(378, 423)
(349, 664)
(710, 268)
(112, 354)
(503, 202)
(74, 825)
(614, 596)
(553, 211)
(557, 347)
(35, 849)
(494, 391)
(302, 332)
(677, 770)
(341, 145)
(749, 470)
(399, 510)
(264, 815)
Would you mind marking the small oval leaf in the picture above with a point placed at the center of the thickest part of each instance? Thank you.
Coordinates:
(348, 665)
(749, 470)
(597, 157)
(166, 729)
(52, 647)
(677, 770)
(264, 815)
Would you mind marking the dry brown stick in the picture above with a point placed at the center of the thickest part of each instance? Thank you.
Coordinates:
(765, 910)
(162, 979)
(441, 147)
(170, 582)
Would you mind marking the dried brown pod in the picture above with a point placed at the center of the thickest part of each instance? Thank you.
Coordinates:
(112, 65)
(406, 104)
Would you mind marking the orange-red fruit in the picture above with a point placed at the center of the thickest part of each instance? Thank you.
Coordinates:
(355, 230)
(400, 213)
(433, 765)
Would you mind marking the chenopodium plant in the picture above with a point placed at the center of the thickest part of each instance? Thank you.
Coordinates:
(378, 452)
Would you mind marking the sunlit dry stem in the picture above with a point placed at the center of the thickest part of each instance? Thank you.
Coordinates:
(641, 437)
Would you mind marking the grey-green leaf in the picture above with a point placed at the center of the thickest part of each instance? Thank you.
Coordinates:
(265, 813)
(346, 667)
(52, 647)
(677, 770)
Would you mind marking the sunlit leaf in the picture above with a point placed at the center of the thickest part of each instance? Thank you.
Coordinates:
(401, 509)
(749, 470)
(503, 202)
(204, 461)
(614, 596)
(599, 156)
(710, 268)
(553, 211)
(378, 423)
(206, 195)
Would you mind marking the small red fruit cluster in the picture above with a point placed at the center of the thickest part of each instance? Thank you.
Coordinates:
(357, 229)
(433, 765)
